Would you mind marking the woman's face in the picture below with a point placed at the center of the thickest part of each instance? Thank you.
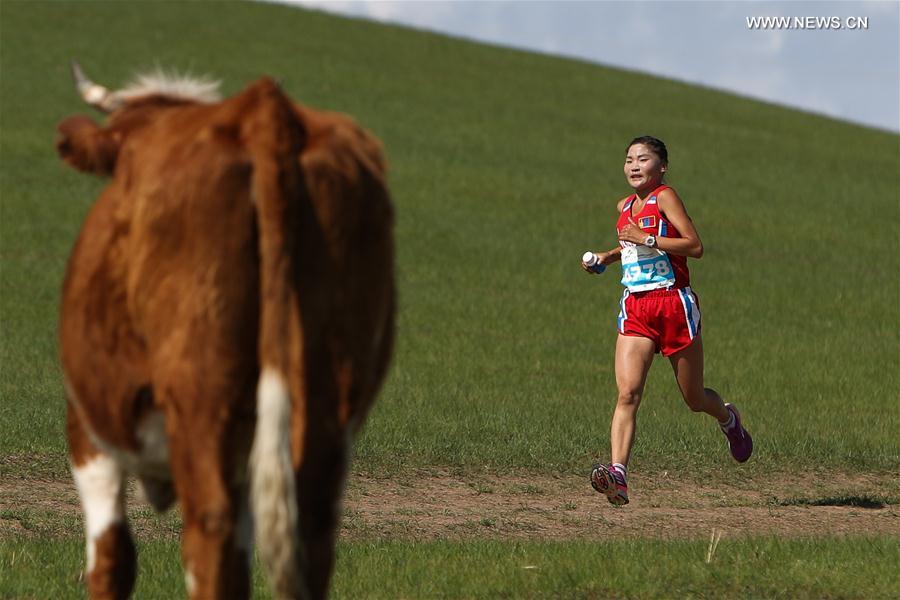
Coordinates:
(643, 168)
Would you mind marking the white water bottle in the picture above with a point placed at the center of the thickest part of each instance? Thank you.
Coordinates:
(590, 260)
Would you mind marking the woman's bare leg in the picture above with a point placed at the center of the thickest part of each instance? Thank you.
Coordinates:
(688, 367)
(634, 355)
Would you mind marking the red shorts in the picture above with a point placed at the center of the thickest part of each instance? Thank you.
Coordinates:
(671, 318)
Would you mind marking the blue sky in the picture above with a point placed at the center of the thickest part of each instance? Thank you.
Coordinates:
(849, 74)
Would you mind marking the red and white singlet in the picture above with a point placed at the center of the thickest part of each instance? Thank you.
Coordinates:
(645, 268)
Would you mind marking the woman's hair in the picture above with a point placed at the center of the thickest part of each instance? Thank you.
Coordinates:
(657, 145)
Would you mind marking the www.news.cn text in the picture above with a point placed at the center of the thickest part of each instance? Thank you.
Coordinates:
(814, 23)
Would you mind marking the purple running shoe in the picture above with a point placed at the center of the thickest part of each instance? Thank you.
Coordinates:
(739, 439)
(610, 482)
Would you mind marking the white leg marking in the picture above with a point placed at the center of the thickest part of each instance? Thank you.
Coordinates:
(99, 484)
(190, 582)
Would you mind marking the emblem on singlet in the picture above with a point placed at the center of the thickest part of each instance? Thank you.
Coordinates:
(645, 222)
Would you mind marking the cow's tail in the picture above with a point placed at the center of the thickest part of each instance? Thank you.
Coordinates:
(273, 491)
(274, 137)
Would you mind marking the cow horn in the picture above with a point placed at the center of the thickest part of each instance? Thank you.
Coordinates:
(95, 95)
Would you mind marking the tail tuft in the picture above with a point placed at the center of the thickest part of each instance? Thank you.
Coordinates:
(273, 492)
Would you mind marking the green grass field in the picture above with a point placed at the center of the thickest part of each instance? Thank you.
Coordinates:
(488, 569)
(505, 167)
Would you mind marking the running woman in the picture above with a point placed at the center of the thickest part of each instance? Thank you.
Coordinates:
(659, 311)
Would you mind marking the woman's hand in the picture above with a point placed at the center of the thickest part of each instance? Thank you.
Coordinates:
(604, 258)
(632, 233)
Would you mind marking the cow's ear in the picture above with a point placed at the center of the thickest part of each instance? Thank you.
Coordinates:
(87, 147)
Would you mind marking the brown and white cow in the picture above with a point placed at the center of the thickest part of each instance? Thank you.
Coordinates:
(227, 319)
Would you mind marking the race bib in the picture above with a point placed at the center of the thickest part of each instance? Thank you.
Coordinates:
(645, 268)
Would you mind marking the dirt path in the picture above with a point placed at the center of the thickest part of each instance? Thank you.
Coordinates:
(661, 507)
(446, 506)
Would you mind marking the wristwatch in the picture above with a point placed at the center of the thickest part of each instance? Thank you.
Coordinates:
(650, 241)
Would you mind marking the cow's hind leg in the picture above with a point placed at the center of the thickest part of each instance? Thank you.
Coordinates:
(215, 563)
(321, 487)
(111, 557)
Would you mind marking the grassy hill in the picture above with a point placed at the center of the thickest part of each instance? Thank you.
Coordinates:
(505, 167)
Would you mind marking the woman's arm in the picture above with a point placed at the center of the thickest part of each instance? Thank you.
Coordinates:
(672, 207)
(606, 258)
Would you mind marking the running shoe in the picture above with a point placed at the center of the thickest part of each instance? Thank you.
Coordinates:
(610, 482)
(739, 439)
